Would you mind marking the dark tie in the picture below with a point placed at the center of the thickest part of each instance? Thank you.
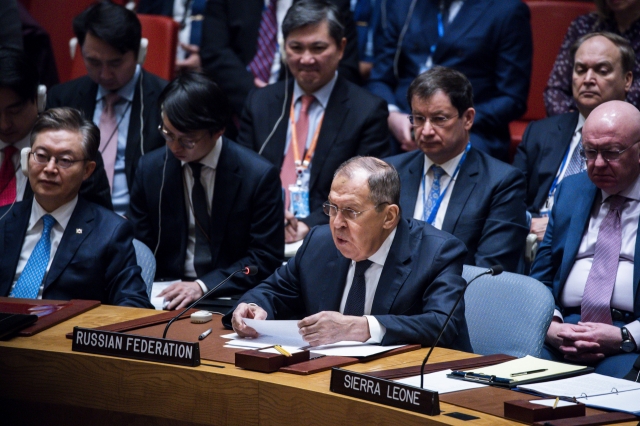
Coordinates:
(8, 177)
(596, 300)
(358, 291)
(260, 66)
(202, 256)
(197, 9)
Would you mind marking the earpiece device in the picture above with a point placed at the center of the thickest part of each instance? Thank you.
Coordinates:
(42, 97)
(24, 160)
(142, 52)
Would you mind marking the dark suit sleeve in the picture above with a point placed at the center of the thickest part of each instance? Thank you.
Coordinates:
(138, 212)
(512, 72)
(437, 301)
(125, 286)
(218, 57)
(246, 134)
(505, 230)
(523, 161)
(266, 241)
(96, 188)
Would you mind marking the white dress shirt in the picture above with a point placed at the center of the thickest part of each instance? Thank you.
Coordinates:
(208, 180)
(623, 296)
(34, 231)
(449, 169)
(371, 277)
(21, 179)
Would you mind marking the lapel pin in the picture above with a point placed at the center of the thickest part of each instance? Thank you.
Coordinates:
(78, 230)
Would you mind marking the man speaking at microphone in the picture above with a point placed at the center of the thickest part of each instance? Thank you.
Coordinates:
(369, 275)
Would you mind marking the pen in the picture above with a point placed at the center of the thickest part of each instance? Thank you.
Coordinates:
(281, 350)
(205, 334)
(555, 404)
(523, 373)
(479, 377)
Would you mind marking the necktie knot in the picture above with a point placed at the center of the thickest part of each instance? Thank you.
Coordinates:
(9, 150)
(616, 202)
(361, 267)
(437, 172)
(48, 221)
(110, 99)
(306, 101)
(196, 168)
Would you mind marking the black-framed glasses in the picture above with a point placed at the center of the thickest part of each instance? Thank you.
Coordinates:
(607, 155)
(331, 210)
(436, 121)
(188, 143)
(64, 162)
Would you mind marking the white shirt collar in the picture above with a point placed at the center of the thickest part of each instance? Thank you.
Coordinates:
(322, 95)
(211, 159)
(380, 256)
(581, 121)
(126, 92)
(62, 214)
(448, 166)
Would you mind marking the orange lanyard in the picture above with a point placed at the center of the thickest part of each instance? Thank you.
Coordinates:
(303, 164)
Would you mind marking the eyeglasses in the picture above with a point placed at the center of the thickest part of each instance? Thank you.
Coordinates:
(188, 143)
(607, 155)
(350, 214)
(436, 121)
(62, 162)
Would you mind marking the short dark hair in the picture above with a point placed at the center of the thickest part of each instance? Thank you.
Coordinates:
(384, 181)
(114, 24)
(192, 101)
(19, 73)
(72, 120)
(313, 12)
(451, 82)
(627, 55)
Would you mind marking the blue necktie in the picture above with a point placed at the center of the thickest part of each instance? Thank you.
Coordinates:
(358, 290)
(28, 284)
(576, 164)
(197, 9)
(435, 191)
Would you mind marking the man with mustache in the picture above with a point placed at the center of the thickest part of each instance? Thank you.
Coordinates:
(602, 71)
(370, 275)
(308, 127)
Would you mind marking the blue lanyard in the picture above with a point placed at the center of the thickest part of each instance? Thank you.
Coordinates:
(434, 211)
(440, 33)
(554, 185)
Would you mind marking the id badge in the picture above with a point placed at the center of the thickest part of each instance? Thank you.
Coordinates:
(299, 194)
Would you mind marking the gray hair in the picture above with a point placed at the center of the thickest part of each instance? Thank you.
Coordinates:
(627, 55)
(383, 180)
(72, 120)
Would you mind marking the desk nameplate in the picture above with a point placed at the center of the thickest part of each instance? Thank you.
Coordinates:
(136, 347)
(384, 392)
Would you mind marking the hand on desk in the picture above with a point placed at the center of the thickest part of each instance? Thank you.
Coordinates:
(180, 295)
(294, 230)
(244, 310)
(585, 342)
(328, 327)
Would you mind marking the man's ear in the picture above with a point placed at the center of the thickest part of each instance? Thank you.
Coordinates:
(89, 167)
(392, 215)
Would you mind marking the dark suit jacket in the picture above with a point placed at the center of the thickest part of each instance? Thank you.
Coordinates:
(156, 7)
(569, 217)
(419, 285)
(229, 43)
(540, 155)
(355, 123)
(95, 189)
(486, 209)
(81, 94)
(489, 41)
(98, 263)
(247, 220)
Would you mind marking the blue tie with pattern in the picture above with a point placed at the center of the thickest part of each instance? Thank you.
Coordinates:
(435, 191)
(28, 284)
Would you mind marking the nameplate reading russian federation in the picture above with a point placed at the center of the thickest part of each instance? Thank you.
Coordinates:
(136, 347)
(384, 392)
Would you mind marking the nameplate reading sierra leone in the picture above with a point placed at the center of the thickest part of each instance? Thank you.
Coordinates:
(384, 392)
(136, 347)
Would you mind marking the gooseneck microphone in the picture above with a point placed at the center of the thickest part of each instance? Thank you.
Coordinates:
(247, 270)
(494, 270)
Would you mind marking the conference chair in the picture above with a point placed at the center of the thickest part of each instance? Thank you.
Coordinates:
(507, 313)
(147, 262)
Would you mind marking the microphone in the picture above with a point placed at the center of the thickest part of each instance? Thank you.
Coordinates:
(494, 270)
(247, 270)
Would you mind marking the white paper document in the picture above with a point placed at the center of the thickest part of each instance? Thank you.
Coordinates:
(158, 302)
(552, 402)
(439, 382)
(286, 333)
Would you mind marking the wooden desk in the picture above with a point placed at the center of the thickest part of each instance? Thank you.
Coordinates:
(43, 382)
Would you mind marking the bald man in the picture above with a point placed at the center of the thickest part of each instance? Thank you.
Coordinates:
(588, 255)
